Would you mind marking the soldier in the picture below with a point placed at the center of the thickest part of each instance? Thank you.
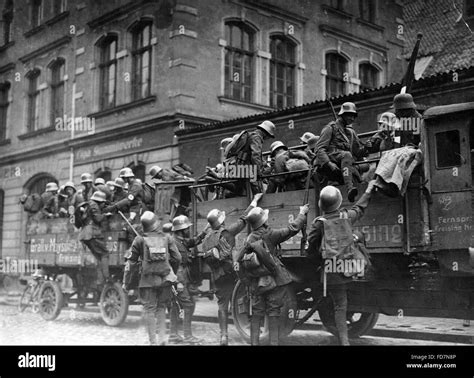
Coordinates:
(409, 119)
(167, 227)
(218, 250)
(159, 257)
(224, 143)
(339, 147)
(89, 188)
(119, 192)
(92, 237)
(100, 185)
(185, 288)
(310, 140)
(287, 161)
(271, 301)
(388, 125)
(165, 174)
(329, 203)
(71, 200)
(50, 201)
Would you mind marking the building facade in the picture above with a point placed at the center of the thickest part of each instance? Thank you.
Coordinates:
(88, 86)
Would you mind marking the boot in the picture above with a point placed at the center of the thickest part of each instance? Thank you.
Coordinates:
(222, 315)
(150, 322)
(273, 329)
(161, 323)
(174, 338)
(188, 334)
(255, 330)
(341, 325)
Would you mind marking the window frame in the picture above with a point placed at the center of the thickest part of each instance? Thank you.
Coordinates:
(438, 154)
(37, 9)
(138, 51)
(33, 100)
(330, 76)
(4, 104)
(59, 6)
(229, 56)
(369, 6)
(57, 85)
(375, 70)
(8, 22)
(287, 66)
(104, 76)
(141, 166)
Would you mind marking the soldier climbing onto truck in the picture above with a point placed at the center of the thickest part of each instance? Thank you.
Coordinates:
(218, 251)
(50, 201)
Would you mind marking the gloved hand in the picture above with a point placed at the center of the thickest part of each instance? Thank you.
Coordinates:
(332, 166)
(304, 209)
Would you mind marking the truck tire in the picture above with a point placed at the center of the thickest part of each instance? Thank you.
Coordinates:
(51, 300)
(113, 304)
(241, 318)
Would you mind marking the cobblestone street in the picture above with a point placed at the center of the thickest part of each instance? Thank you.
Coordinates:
(75, 327)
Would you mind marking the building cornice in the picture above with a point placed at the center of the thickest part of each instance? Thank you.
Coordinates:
(335, 32)
(44, 49)
(273, 10)
(116, 13)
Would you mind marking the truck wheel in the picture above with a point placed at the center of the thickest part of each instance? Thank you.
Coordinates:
(113, 304)
(51, 300)
(240, 313)
(358, 323)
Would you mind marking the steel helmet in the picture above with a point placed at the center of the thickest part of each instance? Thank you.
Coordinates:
(154, 170)
(110, 184)
(150, 221)
(216, 218)
(257, 217)
(51, 187)
(99, 181)
(348, 107)
(330, 199)
(98, 196)
(388, 121)
(61, 192)
(225, 142)
(86, 177)
(268, 127)
(126, 172)
(313, 141)
(181, 222)
(70, 184)
(403, 101)
(307, 136)
(276, 145)
(119, 182)
(167, 227)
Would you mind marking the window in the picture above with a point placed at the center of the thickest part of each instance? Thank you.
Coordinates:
(33, 100)
(469, 8)
(4, 89)
(2, 205)
(239, 61)
(448, 149)
(141, 55)
(36, 13)
(336, 67)
(139, 170)
(369, 76)
(282, 72)
(108, 72)
(106, 174)
(7, 22)
(57, 90)
(59, 6)
(37, 184)
(367, 10)
(338, 4)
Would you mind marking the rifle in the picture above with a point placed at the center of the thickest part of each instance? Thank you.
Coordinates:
(129, 224)
(331, 106)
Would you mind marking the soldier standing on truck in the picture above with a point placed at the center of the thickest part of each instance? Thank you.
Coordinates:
(185, 287)
(92, 237)
(101, 185)
(50, 201)
(89, 188)
(119, 192)
(330, 223)
(271, 301)
(218, 250)
(159, 257)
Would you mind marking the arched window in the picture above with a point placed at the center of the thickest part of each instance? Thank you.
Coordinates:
(7, 22)
(108, 72)
(106, 174)
(141, 57)
(239, 54)
(336, 66)
(33, 100)
(139, 170)
(4, 90)
(57, 89)
(369, 76)
(282, 72)
(37, 184)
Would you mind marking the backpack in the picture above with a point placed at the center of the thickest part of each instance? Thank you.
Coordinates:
(33, 203)
(237, 145)
(80, 214)
(149, 196)
(339, 250)
(258, 260)
(156, 256)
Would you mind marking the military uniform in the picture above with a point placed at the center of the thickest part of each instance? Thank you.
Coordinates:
(291, 181)
(106, 190)
(253, 155)
(91, 236)
(154, 290)
(87, 193)
(50, 204)
(133, 202)
(336, 282)
(118, 195)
